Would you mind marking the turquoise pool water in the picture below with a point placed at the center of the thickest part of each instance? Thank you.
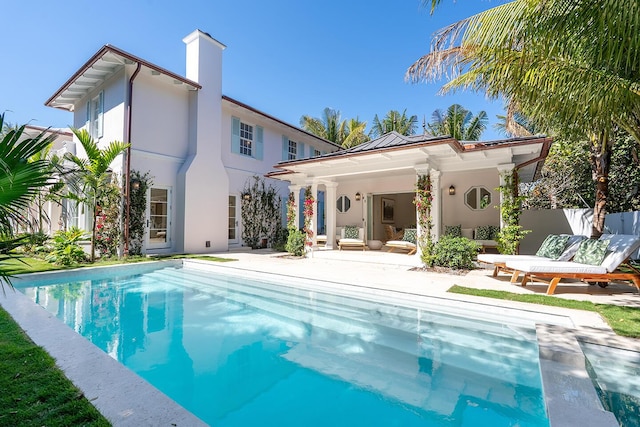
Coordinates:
(239, 352)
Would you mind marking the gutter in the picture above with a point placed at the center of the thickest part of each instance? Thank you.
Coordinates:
(128, 159)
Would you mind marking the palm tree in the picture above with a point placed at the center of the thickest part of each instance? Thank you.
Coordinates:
(329, 127)
(394, 121)
(355, 133)
(562, 62)
(346, 133)
(92, 175)
(458, 123)
(20, 181)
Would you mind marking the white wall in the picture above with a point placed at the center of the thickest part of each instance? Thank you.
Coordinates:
(454, 209)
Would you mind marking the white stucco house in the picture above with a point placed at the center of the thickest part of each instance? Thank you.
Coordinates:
(199, 146)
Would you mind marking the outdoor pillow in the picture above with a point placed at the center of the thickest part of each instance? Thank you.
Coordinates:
(494, 231)
(467, 232)
(410, 235)
(483, 232)
(591, 252)
(351, 232)
(553, 246)
(453, 230)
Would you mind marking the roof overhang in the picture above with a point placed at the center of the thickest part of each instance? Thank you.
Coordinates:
(444, 154)
(108, 61)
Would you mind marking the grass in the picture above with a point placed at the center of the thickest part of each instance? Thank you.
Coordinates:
(34, 391)
(624, 321)
(35, 265)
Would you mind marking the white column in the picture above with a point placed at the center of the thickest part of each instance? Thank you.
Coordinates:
(330, 207)
(295, 189)
(314, 219)
(436, 204)
(503, 170)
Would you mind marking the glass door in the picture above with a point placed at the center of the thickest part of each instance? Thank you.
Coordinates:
(233, 219)
(159, 222)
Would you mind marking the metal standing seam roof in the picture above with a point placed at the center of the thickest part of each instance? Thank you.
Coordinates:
(394, 141)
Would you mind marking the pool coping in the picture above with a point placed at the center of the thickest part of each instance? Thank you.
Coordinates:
(124, 398)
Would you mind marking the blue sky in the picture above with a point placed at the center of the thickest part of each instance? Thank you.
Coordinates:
(284, 57)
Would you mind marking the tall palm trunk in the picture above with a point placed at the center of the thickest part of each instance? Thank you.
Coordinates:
(601, 150)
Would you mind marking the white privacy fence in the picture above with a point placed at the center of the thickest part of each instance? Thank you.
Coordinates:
(572, 221)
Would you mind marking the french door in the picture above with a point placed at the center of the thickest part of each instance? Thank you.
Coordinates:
(159, 218)
(234, 209)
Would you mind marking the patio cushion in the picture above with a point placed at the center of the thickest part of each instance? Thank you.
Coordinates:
(591, 252)
(571, 247)
(486, 232)
(621, 246)
(467, 232)
(502, 258)
(453, 230)
(350, 232)
(551, 266)
(553, 246)
(410, 235)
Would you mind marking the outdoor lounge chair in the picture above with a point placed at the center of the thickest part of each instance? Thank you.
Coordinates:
(499, 260)
(619, 249)
(392, 234)
(407, 243)
(349, 241)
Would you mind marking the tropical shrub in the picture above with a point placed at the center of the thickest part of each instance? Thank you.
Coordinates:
(296, 237)
(66, 247)
(295, 242)
(108, 230)
(281, 239)
(455, 252)
(34, 242)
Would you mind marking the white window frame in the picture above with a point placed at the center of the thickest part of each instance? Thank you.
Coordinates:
(95, 116)
(246, 139)
(316, 152)
(293, 150)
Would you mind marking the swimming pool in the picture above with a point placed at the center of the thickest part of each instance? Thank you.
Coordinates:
(240, 352)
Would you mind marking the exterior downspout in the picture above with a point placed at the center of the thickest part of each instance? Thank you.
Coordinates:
(128, 159)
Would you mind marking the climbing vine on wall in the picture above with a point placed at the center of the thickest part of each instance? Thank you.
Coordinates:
(138, 209)
(423, 201)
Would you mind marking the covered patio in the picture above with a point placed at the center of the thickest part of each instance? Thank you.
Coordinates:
(373, 184)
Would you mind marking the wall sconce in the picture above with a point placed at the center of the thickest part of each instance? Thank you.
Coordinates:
(452, 190)
(358, 196)
(135, 184)
(246, 197)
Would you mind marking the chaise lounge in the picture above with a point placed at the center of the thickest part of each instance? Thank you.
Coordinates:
(595, 261)
(559, 247)
(407, 243)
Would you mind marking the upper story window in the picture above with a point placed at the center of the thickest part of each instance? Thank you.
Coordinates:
(246, 139)
(293, 150)
(95, 116)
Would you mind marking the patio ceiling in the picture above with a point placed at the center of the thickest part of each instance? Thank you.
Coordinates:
(108, 61)
(399, 155)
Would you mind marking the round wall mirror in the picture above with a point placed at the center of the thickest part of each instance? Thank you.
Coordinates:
(477, 198)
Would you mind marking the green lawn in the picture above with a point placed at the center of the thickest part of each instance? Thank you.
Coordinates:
(624, 321)
(34, 391)
(34, 265)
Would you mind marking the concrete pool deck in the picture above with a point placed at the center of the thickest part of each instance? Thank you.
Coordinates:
(126, 399)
